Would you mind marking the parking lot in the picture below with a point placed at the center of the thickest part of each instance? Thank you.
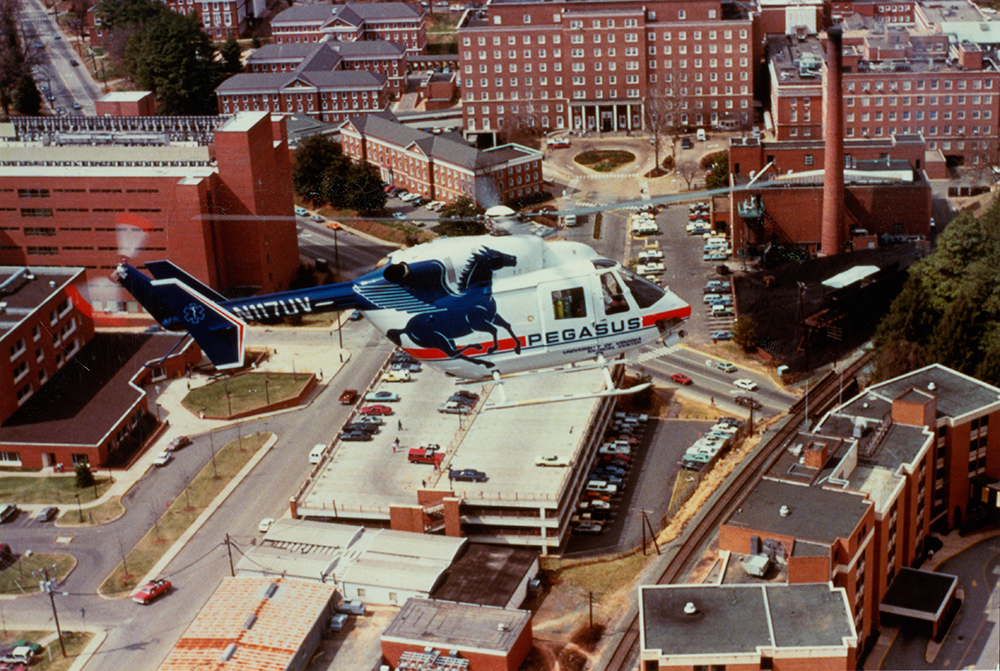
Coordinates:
(409, 207)
(367, 477)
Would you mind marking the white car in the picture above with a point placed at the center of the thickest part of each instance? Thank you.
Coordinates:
(407, 197)
(650, 268)
(650, 255)
(744, 383)
(265, 524)
(550, 460)
(162, 459)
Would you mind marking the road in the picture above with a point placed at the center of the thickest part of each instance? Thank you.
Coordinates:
(67, 83)
(355, 253)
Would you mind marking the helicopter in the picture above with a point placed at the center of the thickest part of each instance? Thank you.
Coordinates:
(477, 307)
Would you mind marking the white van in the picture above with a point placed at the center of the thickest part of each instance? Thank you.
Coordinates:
(701, 135)
(316, 455)
(569, 220)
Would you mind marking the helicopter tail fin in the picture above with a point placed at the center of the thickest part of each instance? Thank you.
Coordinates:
(165, 270)
(180, 307)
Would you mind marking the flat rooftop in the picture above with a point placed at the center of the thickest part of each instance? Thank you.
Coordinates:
(815, 513)
(23, 290)
(735, 619)
(363, 479)
(486, 575)
(457, 625)
(955, 394)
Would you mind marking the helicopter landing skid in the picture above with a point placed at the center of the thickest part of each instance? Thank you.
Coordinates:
(609, 389)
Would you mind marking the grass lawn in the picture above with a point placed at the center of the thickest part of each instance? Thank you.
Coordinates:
(249, 391)
(183, 511)
(94, 516)
(22, 576)
(600, 576)
(74, 641)
(604, 161)
(57, 490)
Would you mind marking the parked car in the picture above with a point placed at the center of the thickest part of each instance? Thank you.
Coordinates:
(75, 105)
(594, 505)
(746, 384)
(411, 366)
(151, 591)
(8, 511)
(551, 460)
(455, 398)
(162, 459)
(722, 311)
(681, 378)
(355, 436)
(686, 143)
(455, 408)
(375, 420)
(720, 335)
(382, 396)
(430, 453)
(46, 514)
(301, 211)
(367, 427)
(318, 218)
(20, 655)
(178, 443)
(339, 621)
(467, 394)
(611, 469)
(375, 410)
(265, 524)
(74, 62)
(726, 367)
(348, 396)
(589, 528)
(398, 376)
(419, 202)
(467, 475)
(356, 316)
(353, 607)
(748, 402)
(715, 256)
(399, 355)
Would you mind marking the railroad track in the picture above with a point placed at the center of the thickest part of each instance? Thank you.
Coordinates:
(827, 393)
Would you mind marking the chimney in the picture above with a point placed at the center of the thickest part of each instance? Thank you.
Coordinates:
(832, 237)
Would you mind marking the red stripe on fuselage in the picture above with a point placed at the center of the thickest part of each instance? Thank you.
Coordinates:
(478, 349)
(679, 313)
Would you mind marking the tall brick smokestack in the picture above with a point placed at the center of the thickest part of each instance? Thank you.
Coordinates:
(833, 234)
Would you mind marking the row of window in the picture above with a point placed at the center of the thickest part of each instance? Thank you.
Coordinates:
(920, 85)
(906, 115)
(879, 131)
(890, 101)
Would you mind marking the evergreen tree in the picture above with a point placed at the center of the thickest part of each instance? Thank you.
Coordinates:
(314, 155)
(364, 192)
(84, 478)
(231, 53)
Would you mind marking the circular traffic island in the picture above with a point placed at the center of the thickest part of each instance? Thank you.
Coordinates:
(600, 160)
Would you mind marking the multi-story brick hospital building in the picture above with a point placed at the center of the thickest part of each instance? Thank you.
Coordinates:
(593, 65)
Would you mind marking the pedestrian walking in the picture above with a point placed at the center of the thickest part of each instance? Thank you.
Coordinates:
(395, 445)
(399, 423)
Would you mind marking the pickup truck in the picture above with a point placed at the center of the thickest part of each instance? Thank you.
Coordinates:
(426, 454)
(348, 396)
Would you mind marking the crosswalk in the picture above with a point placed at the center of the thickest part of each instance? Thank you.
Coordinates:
(656, 353)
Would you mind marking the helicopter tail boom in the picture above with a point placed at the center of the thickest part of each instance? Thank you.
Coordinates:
(179, 307)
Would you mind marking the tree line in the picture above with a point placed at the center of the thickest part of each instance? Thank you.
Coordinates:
(167, 53)
(948, 311)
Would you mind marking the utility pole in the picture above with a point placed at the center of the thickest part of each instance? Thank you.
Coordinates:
(229, 549)
(48, 586)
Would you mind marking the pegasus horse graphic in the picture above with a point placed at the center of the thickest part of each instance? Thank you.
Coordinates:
(457, 314)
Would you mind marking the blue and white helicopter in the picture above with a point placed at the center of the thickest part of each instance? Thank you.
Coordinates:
(476, 307)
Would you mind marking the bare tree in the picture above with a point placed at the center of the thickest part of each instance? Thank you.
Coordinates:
(17, 58)
(522, 122)
(983, 160)
(688, 170)
(663, 108)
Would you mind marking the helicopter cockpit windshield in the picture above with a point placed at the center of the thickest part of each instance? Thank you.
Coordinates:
(643, 291)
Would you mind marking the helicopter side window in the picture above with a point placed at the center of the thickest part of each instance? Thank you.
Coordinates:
(614, 301)
(569, 303)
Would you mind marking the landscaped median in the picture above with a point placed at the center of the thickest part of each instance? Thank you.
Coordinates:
(249, 394)
(25, 574)
(181, 514)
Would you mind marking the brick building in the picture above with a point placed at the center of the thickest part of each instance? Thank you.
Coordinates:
(900, 11)
(378, 56)
(330, 96)
(897, 81)
(885, 179)
(352, 22)
(428, 632)
(854, 501)
(265, 624)
(442, 167)
(222, 19)
(212, 194)
(592, 65)
(747, 627)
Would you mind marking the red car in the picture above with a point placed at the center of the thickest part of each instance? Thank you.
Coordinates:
(376, 410)
(151, 591)
(349, 396)
(680, 378)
